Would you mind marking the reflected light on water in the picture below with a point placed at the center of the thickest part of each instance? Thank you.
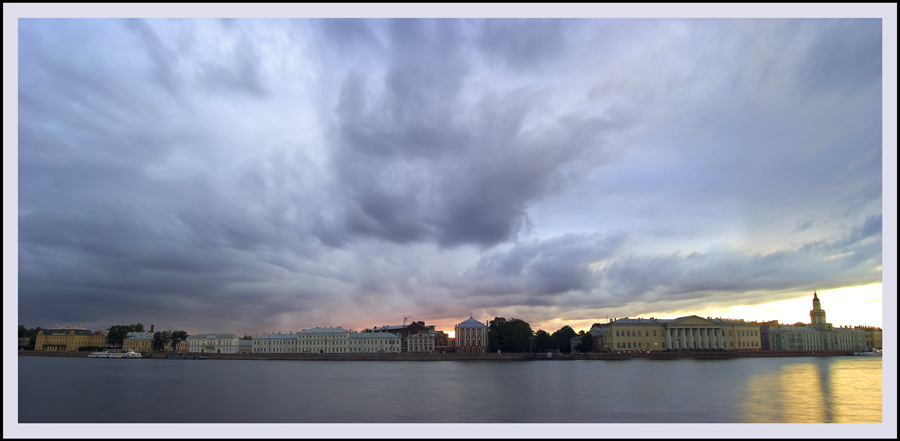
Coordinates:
(821, 391)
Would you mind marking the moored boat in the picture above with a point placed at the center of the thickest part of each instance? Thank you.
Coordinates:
(115, 353)
(873, 352)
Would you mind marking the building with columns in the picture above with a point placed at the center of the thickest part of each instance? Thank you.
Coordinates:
(471, 336)
(683, 333)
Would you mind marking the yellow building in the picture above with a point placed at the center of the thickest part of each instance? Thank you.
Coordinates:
(873, 337)
(143, 342)
(138, 341)
(683, 333)
(68, 339)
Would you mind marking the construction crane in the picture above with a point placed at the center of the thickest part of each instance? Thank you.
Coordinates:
(404, 319)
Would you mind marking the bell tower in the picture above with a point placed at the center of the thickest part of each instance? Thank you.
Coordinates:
(817, 314)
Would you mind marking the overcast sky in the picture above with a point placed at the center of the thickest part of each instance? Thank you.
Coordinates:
(251, 176)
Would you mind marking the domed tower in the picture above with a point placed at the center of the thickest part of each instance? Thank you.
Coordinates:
(817, 314)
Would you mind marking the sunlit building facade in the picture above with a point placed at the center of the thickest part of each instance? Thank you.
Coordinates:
(817, 335)
(471, 336)
(873, 337)
(683, 333)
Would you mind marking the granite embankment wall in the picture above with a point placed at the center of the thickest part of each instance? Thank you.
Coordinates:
(658, 355)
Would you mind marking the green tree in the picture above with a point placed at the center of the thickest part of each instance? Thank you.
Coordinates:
(509, 335)
(117, 333)
(32, 338)
(30, 334)
(497, 334)
(587, 343)
(563, 337)
(247, 337)
(543, 342)
(180, 336)
(160, 340)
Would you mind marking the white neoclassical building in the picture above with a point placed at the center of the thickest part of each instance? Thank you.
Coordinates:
(374, 343)
(214, 343)
(276, 343)
(471, 336)
(323, 341)
(342, 341)
(421, 341)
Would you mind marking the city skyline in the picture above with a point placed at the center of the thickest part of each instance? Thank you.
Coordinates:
(792, 309)
(283, 174)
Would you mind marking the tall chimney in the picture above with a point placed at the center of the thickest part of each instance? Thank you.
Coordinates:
(151, 328)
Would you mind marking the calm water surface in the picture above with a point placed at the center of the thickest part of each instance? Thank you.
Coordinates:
(762, 390)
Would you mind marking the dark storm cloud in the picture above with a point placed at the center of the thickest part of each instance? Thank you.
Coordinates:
(245, 175)
(551, 266)
(459, 174)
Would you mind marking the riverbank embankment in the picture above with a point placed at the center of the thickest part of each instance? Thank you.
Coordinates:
(655, 355)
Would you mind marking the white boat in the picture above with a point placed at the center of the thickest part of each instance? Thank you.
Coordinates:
(872, 353)
(115, 353)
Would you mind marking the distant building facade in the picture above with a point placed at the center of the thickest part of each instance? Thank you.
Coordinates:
(276, 343)
(422, 341)
(374, 343)
(142, 341)
(817, 335)
(596, 333)
(324, 341)
(68, 339)
(683, 333)
(471, 336)
(214, 343)
(403, 331)
(873, 337)
(138, 341)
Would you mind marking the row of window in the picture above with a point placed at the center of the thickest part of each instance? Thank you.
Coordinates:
(636, 333)
(321, 342)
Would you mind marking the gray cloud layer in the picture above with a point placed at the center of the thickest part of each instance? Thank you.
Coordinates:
(251, 175)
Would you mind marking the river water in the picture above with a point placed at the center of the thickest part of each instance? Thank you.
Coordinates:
(744, 390)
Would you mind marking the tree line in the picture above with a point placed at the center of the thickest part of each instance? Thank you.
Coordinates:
(516, 335)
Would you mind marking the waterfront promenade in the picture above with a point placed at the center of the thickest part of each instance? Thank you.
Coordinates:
(657, 355)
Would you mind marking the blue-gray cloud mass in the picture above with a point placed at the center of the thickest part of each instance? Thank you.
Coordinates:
(252, 175)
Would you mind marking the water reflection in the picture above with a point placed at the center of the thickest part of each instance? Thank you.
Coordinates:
(821, 390)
